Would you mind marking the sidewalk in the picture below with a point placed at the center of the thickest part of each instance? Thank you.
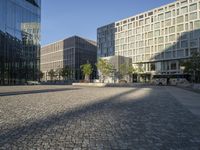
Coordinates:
(192, 87)
(189, 99)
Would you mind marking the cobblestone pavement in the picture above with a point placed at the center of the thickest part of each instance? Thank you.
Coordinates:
(66, 117)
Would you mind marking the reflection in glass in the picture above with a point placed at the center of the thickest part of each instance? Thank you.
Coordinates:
(19, 40)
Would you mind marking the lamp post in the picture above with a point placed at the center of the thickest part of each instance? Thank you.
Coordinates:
(182, 68)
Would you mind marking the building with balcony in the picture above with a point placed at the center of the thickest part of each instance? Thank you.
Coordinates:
(72, 52)
(157, 40)
(19, 41)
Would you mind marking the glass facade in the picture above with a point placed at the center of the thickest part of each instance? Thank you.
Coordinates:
(19, 41)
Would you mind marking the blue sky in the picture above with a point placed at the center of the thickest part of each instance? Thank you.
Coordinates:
(64, 18)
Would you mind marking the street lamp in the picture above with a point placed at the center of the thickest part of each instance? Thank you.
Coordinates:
(182, 68)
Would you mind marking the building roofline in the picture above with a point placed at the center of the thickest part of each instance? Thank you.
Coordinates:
(138, 14)
(74, 36)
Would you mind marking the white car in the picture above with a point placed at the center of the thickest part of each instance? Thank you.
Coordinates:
(33, 83)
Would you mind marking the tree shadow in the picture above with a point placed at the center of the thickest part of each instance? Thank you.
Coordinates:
(125, 121)
(36, 91)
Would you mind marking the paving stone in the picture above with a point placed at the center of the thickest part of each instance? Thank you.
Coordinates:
(66, 117)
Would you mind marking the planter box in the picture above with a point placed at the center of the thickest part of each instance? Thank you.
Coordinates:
(90, 84)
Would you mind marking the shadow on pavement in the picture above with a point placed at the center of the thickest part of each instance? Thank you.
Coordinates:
(36, 91)
(154, 121)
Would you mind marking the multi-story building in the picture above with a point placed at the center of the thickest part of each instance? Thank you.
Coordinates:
(19, 40)
(72, 52)
(158, 40)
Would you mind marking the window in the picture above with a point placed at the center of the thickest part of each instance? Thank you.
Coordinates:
(150, 13)
(160, 40)
(193, 7)
(191, 26)
(168, 22)
(157, 25)
(139, 37)
(180, 19)
(172, 37)
(150, 34)
(138, 30)
(147, 21)
(171, 6)
(157, 33)
(180, 28)
(186, 52)
(153, 67)
(178, 12)
(180, 53)
(184, 2)
(160, 17)
(141, 22)
(173, 66)
(168, 55)
(186, 27)
(184, 10)
(129, 26)
(168, 46)
(125, 27)
(184, 44)
(129, 32)
(147, 50)
(147, 28)
(160, 48)
(186, 17)
(194, 43)
(184, 36)
(197, 24)
(150, 42)
(171, 30)
(167, 15)
(193, 16)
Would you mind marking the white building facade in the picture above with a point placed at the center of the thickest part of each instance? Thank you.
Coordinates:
(159, 39)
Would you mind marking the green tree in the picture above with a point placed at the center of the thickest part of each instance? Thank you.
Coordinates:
(52, 74)
(41, 75)
(87, 70)
(131, 70)
(192, 66)
(104, 67)
(123, 70)
(66, 72)
(140, 69)
(126, 69)
(58, 72)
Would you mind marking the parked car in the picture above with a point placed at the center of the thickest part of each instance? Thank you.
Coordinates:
(32, 83)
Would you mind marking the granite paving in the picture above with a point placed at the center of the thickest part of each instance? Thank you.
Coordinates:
(82, 118)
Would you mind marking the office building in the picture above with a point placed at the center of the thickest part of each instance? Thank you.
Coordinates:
(158, 40)
(19, 41)
(72, 52)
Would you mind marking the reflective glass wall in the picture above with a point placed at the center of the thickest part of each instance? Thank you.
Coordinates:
(19, 41)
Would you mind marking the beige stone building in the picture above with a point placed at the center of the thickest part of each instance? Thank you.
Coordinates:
(159, 39)
(72, 52)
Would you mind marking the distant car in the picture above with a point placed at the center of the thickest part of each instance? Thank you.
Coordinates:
(33, 83)
(173, 79)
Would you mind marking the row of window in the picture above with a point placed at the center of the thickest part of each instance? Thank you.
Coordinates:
(159, 17)
(163, 25)
(163, 55)
(160, 47)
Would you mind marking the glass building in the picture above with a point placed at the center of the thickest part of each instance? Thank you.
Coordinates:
(19, 41)
(157, 40)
